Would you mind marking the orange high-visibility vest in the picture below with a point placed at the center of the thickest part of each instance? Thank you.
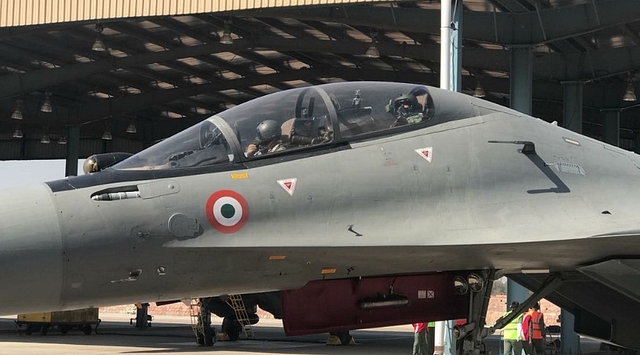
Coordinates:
(536, 318)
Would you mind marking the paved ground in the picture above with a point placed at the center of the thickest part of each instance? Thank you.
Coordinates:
(173, 335)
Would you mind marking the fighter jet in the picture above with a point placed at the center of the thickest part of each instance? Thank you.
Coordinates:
(361, 204)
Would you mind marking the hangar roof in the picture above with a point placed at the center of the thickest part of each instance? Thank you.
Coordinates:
(165, 73)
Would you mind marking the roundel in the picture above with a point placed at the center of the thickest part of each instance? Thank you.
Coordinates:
(227, 211)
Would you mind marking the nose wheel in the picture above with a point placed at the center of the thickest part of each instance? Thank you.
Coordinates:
(472, 334)
(201, 323)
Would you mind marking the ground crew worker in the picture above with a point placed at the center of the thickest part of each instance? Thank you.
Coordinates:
(534, 331)
(512, 335)
(420, 336)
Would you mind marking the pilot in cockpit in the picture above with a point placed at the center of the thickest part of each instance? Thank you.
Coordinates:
(406, 109)
(268, 139)
(310, 131)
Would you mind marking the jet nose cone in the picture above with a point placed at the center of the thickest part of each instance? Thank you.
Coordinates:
(30, 251)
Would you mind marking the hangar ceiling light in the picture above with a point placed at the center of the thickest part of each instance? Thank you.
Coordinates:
(17, 112)
(46, 105)
(107, 135)
(372, 51)
(45, 139)
(479, 90)
(98, 45)
(17, 133)
(630, 93)
(226, 34)
(131, 128)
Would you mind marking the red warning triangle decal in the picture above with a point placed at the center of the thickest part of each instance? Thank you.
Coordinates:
(426, 153)
(289, 185)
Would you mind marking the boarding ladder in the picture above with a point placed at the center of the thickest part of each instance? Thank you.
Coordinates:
(197, 325)
(236, 303)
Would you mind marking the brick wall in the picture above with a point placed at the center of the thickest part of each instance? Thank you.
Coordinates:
(497, 306)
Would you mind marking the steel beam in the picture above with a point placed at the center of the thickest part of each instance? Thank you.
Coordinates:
(521, 28)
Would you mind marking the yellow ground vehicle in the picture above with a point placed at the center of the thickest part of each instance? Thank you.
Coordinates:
(81, 319)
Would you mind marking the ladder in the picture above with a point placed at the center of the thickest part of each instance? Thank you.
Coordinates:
(236, 303)
(196, 322)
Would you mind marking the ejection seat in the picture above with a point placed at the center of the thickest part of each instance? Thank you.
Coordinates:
(303, 132)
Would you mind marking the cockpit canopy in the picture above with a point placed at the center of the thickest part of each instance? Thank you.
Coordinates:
(292, 119)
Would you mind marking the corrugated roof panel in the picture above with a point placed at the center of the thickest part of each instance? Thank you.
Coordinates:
(35, 12)
(265, 89)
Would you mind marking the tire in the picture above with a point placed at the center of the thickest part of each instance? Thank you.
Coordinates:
(209, 336)
(199, 338)
(232, 328)
(86, 329)
(233, 333)
(344, 336)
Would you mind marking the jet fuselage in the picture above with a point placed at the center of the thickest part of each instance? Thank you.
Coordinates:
(477, 186)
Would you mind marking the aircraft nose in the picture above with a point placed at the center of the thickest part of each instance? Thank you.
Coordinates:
(30, 251)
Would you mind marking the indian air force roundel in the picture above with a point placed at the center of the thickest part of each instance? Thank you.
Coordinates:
(227, 211)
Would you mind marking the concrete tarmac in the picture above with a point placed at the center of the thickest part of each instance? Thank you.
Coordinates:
(173, 335)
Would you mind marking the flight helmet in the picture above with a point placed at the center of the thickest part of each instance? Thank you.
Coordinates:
(405, 103)
(267, 130)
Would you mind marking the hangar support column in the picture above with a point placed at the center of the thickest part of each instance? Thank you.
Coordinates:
(456, 47)
(445, 45)
(73, 150)
(515, 292)
(521, 91)
(450, 79)
(571, 119)
(572, 105)
(611, 126)
(521, 81)
(570, 341)
(611, 114)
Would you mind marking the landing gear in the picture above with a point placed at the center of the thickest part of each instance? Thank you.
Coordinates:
(472, 334)
(232, 328)
(208, 338)
(479, 287)
(236, 317)
(340, 338)
(201, 324)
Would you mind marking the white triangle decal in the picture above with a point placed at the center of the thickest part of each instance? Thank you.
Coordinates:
(426, 153)
(289, 185)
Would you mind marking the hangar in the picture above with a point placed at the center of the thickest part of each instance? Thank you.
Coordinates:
(82, 77)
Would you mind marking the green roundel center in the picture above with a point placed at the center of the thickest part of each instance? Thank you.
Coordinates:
(227, 210)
